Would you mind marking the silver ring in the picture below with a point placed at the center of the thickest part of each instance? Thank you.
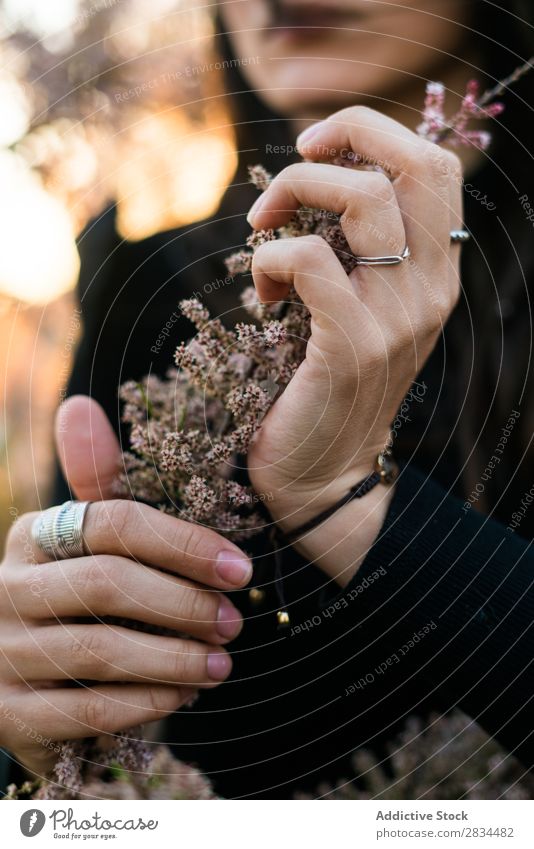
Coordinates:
(460, 236)
(456, 236)
(382, 260)
(58, 531)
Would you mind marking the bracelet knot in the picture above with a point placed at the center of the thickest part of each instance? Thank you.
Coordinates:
(385, 471)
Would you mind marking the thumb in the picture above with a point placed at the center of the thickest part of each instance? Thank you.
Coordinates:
(88, 448)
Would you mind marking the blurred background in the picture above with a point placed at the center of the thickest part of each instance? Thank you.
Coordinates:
(101, 101)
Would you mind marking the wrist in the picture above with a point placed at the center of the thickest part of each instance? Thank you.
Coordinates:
(340, 544)
(297, 510)
(335, 526)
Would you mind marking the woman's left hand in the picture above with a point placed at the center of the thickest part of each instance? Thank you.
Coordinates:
(372, 330)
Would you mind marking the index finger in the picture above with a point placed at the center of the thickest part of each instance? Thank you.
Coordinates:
(422, 173)
(135, 530)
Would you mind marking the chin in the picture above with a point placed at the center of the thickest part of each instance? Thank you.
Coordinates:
(303, 90)
(298, 103)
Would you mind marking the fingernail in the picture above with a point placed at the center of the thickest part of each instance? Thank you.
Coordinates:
(228, 619)
(233, 568)
(219, 666)
(307, 134)
(255, 208)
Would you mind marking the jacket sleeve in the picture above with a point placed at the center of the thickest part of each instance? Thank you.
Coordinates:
(4, 771)
(447, 595)
(10, 771)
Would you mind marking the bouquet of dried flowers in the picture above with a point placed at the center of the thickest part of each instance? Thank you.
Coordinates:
(187, 431)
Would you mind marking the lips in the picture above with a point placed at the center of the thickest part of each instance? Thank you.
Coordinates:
(292, 13)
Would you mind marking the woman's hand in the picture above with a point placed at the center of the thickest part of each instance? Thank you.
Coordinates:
(371, 331)
(51, 629)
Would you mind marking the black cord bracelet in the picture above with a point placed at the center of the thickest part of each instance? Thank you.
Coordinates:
(386, 471)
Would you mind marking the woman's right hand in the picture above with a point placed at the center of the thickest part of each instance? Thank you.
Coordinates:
(51, 633)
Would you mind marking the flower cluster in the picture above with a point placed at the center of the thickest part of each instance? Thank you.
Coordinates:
(188, 431)
(456, 130)
(436, 127)
(128, 770)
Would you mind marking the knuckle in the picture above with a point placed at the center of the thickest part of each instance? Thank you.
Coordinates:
(87, 654)
(444, 301)
(13, 534)
(308, 250)
(185, 540)
(93, 712)
(421, 158)
(191, 542)
(312, 241)
(9, 583)
(441, 163)
(99, 580)
(456, 291)
(112, 519)
(191, 663)
(380, 187)
(19, 531)
(352, 114)
(158, 701)
(92, 581)
(295, 172)
(455, 166)
(436, 316)
(262, 256)
(198, 607)
(289, 257)
(11, 647)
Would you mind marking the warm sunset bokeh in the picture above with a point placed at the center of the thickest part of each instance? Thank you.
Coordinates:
(96, 108)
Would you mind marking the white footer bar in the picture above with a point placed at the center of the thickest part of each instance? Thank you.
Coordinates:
(270, 824)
